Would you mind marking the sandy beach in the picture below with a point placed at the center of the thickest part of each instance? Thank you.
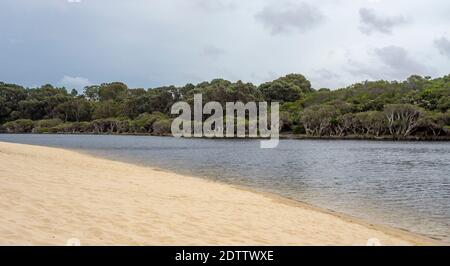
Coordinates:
(50, 195)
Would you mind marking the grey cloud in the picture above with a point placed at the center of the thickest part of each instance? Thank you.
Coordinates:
(264, 77)
(396, 63)
(443, 45)
(398, 59)
(284, 17)
(213, 51)
(373, 22)
(214, 6)
(326, 74)
(163, 42)
(324, 78)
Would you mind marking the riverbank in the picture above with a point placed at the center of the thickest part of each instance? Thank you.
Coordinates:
(281, 136)
(50, 195)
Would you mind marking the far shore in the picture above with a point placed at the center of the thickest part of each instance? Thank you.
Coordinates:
(282, 136)
(51, 195)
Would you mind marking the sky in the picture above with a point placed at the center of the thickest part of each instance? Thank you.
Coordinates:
(151, 43)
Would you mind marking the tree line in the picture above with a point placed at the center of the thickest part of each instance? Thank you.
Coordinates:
(418, 107)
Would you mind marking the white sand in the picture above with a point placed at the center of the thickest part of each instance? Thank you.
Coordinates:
(49, 195)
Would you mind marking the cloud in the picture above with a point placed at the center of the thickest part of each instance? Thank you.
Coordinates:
(285, 17)
(77, 83)
(392, 62)
(443, 45)
(143, 48)
(213, 51)
(326, 74)
(324, 78)
(74, 1)
(373, 22)
(398, 59)
(265, 77)
(214, 6)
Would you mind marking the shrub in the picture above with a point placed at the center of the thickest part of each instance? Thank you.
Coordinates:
(402, 119)
(44, 126)
(299, 129)
(123, 126)
(19, 126)
(162, 127)
(144, 122)
(75, 127)
(107, 125)
(447, 130)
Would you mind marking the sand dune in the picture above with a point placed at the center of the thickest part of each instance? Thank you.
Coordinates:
(49, 195)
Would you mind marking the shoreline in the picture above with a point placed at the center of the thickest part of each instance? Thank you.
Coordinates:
(396, 231)
(336, 228)
(287, 136)
(406, 234)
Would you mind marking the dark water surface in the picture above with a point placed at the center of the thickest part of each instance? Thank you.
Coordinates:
(401, 184)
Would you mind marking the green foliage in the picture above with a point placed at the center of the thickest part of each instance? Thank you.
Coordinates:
(45, 126)
(162, 127)
(402, 119)
(418, 106)
(105, 109)
(434, 124)
(112, 91)
(372, 123)
(222, 91)
(92, 92)
(280, 91)
(299, 81)
(10, 96)
(144, 123)
(19, 126)
(289, 88)
(75, 127)
(319, 120)
(299, 129)
(74, 110)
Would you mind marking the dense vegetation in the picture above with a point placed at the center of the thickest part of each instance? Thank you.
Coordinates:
(418, 107)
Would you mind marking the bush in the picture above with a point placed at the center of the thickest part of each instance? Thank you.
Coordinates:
(299, 129)
(433, 123)
(144, 122)
(107, 125)
(447, 130)
(44, 126)
(402, 119)
(123, 125)
(162, 127)
(75, 127)
(19, 126)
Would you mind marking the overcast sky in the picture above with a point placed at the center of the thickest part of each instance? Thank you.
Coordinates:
(149, 43)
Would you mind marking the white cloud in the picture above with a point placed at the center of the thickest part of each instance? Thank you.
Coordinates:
(77, 83)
